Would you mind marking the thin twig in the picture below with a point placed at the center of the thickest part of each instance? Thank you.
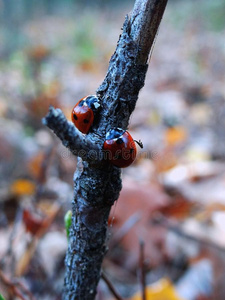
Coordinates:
(25, 289)
(111, 287)
(145, 18)
(142, 270)
(11, 286)
(43, 171)
(125, 228)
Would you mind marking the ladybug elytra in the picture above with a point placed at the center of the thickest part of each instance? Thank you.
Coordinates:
(84, 112)
(120, 147)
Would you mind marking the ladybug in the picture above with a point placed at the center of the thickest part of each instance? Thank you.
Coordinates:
(120, 147)
(84, 112)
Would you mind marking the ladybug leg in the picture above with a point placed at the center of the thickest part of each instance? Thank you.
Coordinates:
(140, 144)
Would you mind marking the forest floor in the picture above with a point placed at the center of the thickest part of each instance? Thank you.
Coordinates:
(173, 197)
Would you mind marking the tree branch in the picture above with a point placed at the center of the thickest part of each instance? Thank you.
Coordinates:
(145, 19)
(97, 184)
(70, 136)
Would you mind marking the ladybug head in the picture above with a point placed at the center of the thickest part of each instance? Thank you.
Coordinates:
(114, 133)
(93, 102)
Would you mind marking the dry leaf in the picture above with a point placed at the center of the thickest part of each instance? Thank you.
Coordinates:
(35, 164)
(175, 135)
(165, 160)
(22, 187)
(179, 208)
(38, 53)
(25, 259)
(38, 107)
(32, 223)
(139, 200)
(161, 290)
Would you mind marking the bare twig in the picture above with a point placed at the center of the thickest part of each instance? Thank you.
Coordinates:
(45, 164)
(43, 170)
(11, 286)
(24, 289)
(145, 19)
(111, 287)
(125, 228)
(142, 270)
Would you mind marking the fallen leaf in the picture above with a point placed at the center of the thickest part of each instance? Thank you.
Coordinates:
(38, 107)
(138, 201)
(32, 223)
(22, 187)
(175, 135)
(52, 247)
(38, 53)
(161, 290)
(35, 164)
(25, 259)
(218, 219)
(178, 208)
(165, 160)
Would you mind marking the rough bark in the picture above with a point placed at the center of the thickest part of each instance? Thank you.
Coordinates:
(97, 184)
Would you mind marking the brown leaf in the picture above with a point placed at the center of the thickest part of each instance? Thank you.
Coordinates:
(143, 200)
(175, 135)
(32, 223)
(38, 107)
(38, 53)
(179, 208)
(25, 259)
(22, 187)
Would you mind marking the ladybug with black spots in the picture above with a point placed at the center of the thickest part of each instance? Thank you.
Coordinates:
(120, 147)
(84, 112)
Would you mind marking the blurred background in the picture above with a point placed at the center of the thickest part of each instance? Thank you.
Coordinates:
(169, 221)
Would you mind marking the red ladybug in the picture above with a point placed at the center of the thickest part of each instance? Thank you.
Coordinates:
(120, 147)
(84, 112)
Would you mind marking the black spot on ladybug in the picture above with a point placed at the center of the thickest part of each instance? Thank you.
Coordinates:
(131, 150)
(119, 141)
(75, 116)
(119, 156)
(86, 121)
